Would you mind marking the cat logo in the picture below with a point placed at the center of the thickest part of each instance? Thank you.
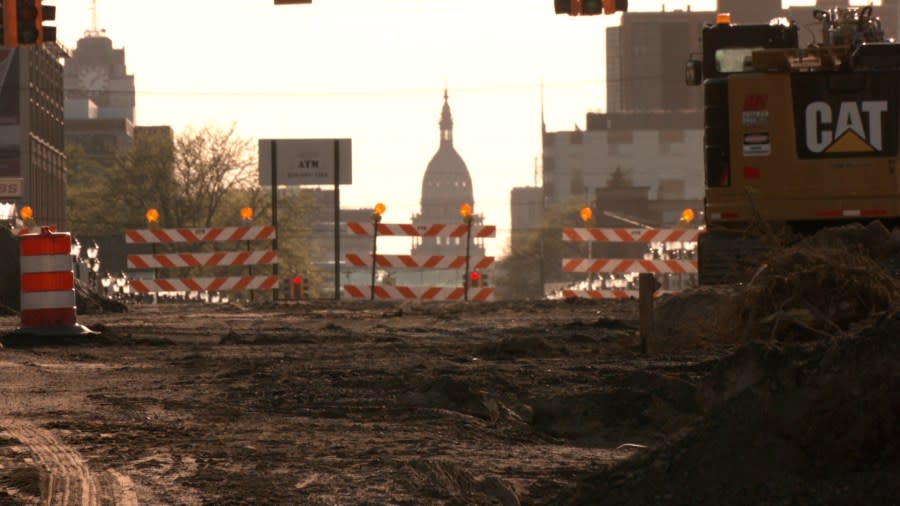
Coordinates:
(857, 128)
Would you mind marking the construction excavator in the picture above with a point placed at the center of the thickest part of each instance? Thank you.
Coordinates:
(796, 139)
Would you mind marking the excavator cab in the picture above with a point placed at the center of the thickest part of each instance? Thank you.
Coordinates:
(728, 48)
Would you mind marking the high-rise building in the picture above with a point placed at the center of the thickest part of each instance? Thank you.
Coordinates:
(645, 59)
(526, 215)
(100, 99)
(32, 158)
(645, 55)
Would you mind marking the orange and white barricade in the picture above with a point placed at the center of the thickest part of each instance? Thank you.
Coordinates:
(249, 259)
(47, 284)
(472, 264)
(669, 268)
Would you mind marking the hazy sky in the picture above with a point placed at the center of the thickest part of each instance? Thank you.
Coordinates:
(373, 71)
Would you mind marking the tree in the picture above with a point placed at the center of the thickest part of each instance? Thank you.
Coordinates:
(199, 178)
(209, 163)
(186, 178)
(143, 178)
(619, 179)
(87, 211)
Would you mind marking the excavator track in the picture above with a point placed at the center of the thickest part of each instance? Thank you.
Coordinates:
(728, 257)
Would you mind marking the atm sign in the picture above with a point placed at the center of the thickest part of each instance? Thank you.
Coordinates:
(11, 187)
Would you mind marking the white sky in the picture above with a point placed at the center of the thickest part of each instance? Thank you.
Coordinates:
(373, 71)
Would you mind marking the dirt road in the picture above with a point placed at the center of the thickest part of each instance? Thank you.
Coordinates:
(436, 403)
(327, 403)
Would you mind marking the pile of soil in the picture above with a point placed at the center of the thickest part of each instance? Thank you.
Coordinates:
(815, 289)
(817, 422)
(806, 291)
(806, 407)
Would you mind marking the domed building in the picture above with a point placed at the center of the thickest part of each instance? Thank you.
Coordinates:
(445, 187)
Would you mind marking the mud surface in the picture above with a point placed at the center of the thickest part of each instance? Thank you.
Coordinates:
(326, 403)
(445, 403)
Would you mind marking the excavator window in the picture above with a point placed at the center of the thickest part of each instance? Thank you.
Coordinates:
(730, 60)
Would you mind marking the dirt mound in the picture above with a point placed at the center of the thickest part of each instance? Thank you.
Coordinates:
(815, 422)
(696, 318)
(872, 240)
(814, 289)
(808, 292)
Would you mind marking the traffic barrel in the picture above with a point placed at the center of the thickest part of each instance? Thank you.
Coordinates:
(47, 285)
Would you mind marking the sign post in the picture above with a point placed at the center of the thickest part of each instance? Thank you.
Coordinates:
(337, 221)
(299, 162)
(274, 177)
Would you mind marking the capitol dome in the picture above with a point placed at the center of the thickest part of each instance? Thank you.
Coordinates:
(446, 184)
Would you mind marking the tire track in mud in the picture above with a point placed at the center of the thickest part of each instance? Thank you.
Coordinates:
(67, 479)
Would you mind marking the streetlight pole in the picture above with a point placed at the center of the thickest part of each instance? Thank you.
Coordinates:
(93, 253)
(465, 211)
(586, 216)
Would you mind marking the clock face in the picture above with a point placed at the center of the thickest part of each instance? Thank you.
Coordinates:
(93, 79)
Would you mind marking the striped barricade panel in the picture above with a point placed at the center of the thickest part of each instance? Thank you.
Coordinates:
(174, 260)
(607, 294)
(218, 234)
(419, 261)
(435, 293)
(222, 284)
(388, 229)
(630, 234)
(626, 265)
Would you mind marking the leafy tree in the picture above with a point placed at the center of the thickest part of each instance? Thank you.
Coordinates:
(186, 178)
(522, 273)
(199, 178)
(143, 178)
(87, 211)
(619, 179)
(209, 163)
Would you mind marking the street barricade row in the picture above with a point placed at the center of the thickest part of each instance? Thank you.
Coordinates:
(423, 293)
(247, 259)
(658, 264)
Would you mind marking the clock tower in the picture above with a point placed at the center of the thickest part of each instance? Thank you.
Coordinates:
(96, 81)
(99, 99)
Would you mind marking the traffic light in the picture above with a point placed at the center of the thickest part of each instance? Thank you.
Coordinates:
(297, 287)
(472, 279)
(589, 7)
(9, 23)
(23, 22)
(48, 13)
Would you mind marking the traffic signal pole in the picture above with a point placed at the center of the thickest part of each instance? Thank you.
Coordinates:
(10, 22)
